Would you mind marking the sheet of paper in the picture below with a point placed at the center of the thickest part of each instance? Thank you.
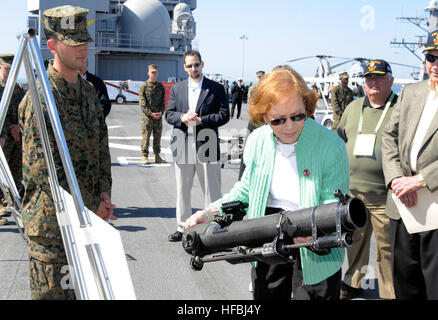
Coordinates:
(424, 215)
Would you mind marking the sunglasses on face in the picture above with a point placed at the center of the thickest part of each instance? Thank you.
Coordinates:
(431, 58)
(189, 66)
(295, 118)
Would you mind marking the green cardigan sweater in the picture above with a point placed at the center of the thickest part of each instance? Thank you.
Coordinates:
(320, 152)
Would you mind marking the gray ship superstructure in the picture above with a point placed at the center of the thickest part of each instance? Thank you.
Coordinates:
(129, 35)
(414, 47)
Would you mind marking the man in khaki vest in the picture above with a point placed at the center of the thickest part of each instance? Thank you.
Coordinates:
(367, 116)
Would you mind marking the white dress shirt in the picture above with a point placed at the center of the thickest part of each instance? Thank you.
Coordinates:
(194, 92)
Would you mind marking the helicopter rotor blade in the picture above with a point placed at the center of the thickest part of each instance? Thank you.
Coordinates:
(403, 65)
(302, 58)
(344, 62)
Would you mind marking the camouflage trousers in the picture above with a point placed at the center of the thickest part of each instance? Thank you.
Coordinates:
(336, 120)
(48, 270)
(12, 151)
(154, 128)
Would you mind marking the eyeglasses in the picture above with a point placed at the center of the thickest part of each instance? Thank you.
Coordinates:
(431, 58)
(295, 118)
(189, 66)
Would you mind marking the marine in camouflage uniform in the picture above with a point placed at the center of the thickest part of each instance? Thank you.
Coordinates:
(342, 95)
(87, 139)
(12, 148)
(259, 75)
(152, 98)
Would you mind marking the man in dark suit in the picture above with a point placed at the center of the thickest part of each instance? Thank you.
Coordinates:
(237, 97)
(101, 90)
(197, 107)
(410, 163)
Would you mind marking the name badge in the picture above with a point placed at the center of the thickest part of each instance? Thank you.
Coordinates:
(364, 145)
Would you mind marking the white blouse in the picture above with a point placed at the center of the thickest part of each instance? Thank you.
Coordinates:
(284, 192)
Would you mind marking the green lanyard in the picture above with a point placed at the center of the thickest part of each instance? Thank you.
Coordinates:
(359, 129)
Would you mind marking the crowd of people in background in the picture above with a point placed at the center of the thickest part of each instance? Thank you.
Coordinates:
(238, 83)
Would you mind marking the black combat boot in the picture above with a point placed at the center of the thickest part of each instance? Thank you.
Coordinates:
(158, 159)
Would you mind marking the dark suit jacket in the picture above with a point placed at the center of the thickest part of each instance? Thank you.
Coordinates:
(397, 139)
(102, 92)
(237, 93)
(213, 110)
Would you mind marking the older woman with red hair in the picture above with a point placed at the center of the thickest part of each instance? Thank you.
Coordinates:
(291, 162)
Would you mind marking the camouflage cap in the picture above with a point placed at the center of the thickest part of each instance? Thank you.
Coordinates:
(153, 67)
(260, 73)
(432, 41)
(68, 24)
(344, 75)
(6, 60)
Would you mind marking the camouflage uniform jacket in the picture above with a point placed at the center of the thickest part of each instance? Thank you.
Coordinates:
(152, 98)
(86, 135)
(12, 114)
(341, 97)
(251, 91)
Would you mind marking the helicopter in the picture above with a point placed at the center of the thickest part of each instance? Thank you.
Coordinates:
(325, 78)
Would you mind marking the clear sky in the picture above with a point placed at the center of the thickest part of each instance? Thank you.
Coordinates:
(281, 30)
